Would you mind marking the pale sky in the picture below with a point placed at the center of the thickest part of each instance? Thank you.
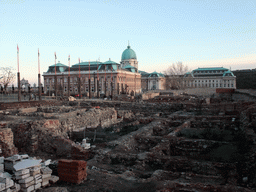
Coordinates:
(199, 33)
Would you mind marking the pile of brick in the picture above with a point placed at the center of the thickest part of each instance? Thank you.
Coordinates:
(73, 171)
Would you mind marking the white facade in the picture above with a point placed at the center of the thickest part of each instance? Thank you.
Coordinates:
(210, 77)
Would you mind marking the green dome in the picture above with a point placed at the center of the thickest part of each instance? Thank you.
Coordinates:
(128, 54)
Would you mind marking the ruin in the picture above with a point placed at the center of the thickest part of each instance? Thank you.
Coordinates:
(163, 142)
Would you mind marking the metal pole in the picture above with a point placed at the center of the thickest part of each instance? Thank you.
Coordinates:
(19, 92)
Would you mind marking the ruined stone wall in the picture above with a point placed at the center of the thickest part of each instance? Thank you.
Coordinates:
(149, 95)
(92, 118)
(6, 142)
(46, 136)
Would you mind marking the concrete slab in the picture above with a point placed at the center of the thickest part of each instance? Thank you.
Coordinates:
(27, 163)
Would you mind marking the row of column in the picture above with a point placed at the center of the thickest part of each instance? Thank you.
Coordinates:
(121, 87)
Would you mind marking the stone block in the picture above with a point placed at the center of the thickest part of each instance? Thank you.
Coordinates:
(15, 187)
(6, 181)
(2, 186)
(46, 179)
(19, 177)
(1, 167)
(27, 180)
(7, 190)
(26, 185)
(29, 189)
(26, 163)
(45, 183)
(9, 184)
(46, 176)
(54, 179)
(46, 170)
(38, 185)
(34, 173)
(1, 160)
(36, 177)
(22, 172)
(38, 181)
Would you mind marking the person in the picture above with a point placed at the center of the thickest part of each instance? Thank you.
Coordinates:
(24, 96)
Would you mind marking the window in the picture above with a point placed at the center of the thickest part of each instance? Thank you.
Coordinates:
(209, 80)
(65, 80)
(212, 80)
(212, 85)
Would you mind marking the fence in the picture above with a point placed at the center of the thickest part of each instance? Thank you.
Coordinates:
(13, 97)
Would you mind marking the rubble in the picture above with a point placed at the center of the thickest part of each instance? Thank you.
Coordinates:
(165, 143)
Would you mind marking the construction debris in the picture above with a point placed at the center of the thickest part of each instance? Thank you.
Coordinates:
(28, 174)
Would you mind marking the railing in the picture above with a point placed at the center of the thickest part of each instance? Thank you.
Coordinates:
(13, 97)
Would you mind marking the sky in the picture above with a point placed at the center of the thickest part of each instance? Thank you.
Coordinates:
(199, 33)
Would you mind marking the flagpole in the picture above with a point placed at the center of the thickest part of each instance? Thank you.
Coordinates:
(55, 62)
(68, 75)
(89, 81)
(111, 84)
(79, 66)
(105, 81)
(55, 81)
(18, 75)
(79, 82)
(98, 93)
(39, 78)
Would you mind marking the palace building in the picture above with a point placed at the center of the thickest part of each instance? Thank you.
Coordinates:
(111, 78)
(94, 77)
(215, 77)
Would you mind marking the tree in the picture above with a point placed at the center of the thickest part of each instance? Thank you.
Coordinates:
(6, 76)
(175, 75)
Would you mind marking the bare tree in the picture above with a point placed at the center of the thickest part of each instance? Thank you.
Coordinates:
(175, 75)
(6, 76)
